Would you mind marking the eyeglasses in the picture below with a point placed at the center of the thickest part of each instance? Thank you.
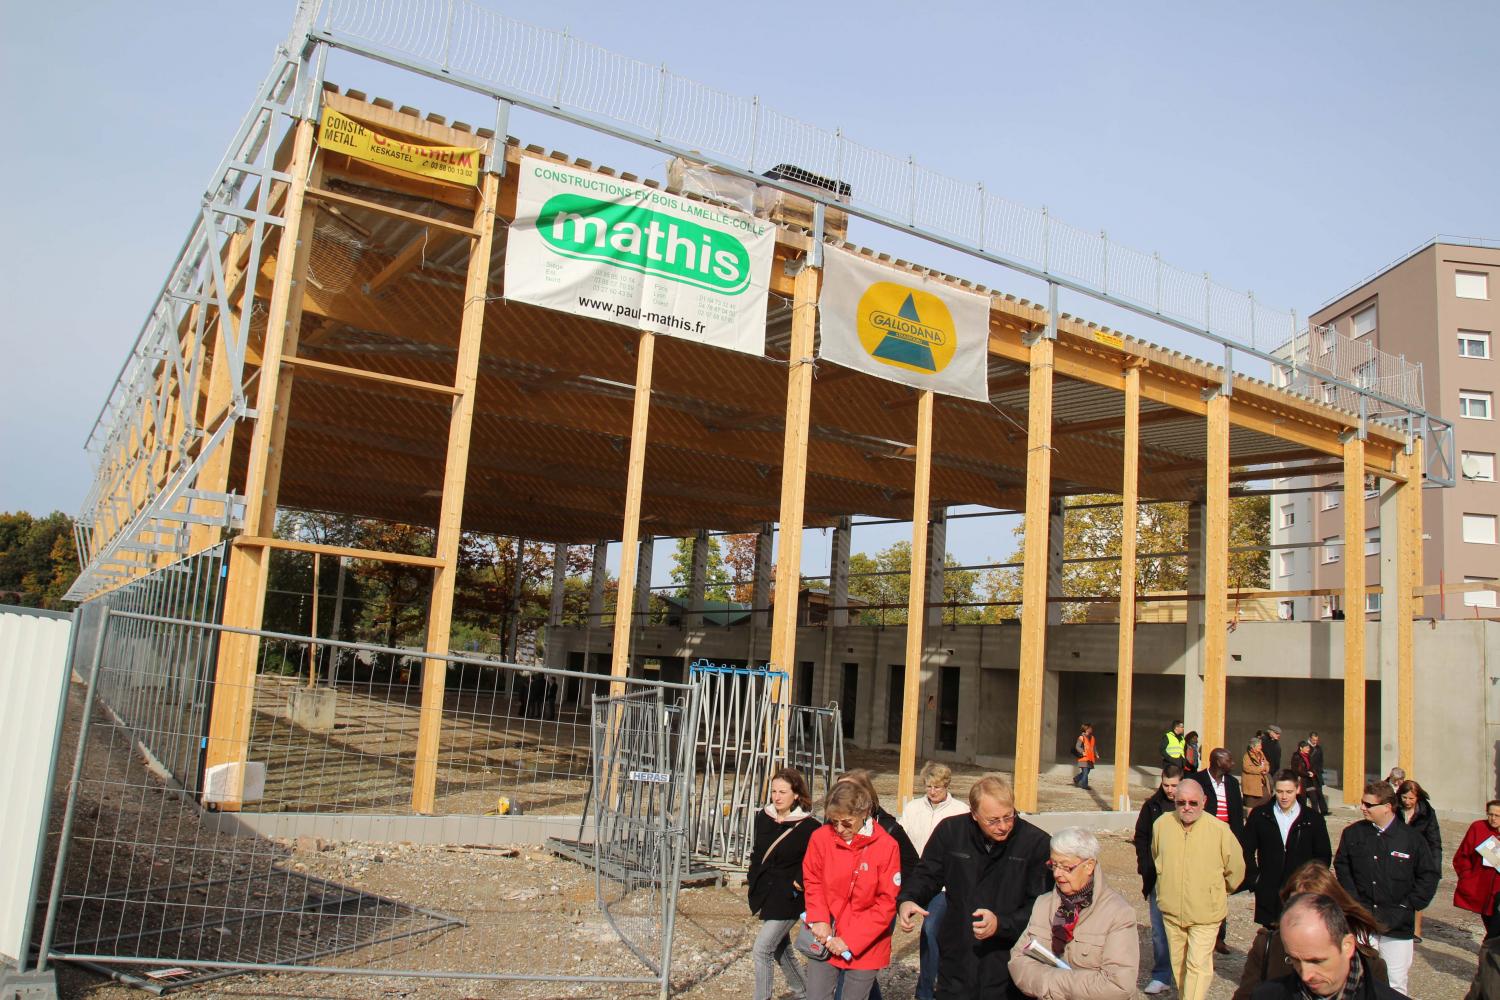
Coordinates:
(994, 822)
(846, 822)
(1189, 805)
(1067, 869)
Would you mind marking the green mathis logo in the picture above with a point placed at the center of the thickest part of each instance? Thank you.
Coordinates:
(635, 237)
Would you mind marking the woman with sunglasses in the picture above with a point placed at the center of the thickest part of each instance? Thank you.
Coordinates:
(851, 876)
(1085, 923)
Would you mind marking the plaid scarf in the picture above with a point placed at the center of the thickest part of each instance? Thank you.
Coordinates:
(1066, 917)
(1351, 985)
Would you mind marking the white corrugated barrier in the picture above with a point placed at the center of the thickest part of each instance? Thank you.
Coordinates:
(33, 685)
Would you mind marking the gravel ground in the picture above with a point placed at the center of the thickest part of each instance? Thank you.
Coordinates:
(526, 911)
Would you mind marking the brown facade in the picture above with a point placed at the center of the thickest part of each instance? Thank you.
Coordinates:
(1419, 315)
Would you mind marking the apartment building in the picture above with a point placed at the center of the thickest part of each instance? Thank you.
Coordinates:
(1438, 307)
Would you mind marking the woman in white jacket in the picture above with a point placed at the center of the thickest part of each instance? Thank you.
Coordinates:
(920, 817)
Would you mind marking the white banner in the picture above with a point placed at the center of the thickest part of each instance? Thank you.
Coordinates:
(904, 327)
(608, 249)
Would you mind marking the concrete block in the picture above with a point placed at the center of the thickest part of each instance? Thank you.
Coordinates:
(312, 708)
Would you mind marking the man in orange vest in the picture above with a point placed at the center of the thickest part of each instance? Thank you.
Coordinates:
(1087, 755)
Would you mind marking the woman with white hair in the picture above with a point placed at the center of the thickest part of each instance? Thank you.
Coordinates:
(1083, 922)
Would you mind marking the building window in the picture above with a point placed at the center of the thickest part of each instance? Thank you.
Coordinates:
(1328, 499)
(1327, 339)
(1331, 549)
(1476, 405)
(1286, 562)
(1471, 284)
(1473, 344)
(1331, 606)
(1286, 610)
(1479, 529)
(1480, 598)
(1372, 542)
(1364, 322)
(1372, 604)
(1478, 466)
(1364, 375)
(1330, 391)
(1288, 515)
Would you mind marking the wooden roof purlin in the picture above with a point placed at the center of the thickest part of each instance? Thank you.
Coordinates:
(547, 455)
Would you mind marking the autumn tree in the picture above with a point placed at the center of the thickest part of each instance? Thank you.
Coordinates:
(885, 579)
(38, 559)
(716, 578)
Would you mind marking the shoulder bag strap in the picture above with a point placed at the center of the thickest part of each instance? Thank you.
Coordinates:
(784, 834)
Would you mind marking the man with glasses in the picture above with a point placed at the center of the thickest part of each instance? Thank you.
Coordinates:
(994, 865)
(1385, 865)
(1199, 863)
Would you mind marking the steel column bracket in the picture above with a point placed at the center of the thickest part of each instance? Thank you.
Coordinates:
(1049, 332)
(497, 163)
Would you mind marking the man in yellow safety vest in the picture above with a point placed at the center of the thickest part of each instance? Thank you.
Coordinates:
(1173, 745)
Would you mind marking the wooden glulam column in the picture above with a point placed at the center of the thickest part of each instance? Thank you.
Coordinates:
(1216, 571)
(249, 565)
(1125, 660)
(1034, 576)
(916, 612)
(1354, 618)
(455, 482)
(630, 532)
(794, 477)
(1408, 604)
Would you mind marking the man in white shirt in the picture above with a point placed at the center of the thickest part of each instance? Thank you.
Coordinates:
(1279, 838)
(920, 817)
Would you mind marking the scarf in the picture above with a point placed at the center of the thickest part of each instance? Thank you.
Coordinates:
(1066, 917)
(1351, 985)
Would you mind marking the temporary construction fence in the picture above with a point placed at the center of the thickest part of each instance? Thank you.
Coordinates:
(746, 732)
(151, 886)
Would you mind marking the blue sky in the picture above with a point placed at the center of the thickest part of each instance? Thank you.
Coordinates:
(1288, 149)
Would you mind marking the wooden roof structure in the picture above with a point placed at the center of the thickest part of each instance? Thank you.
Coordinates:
(548, 452)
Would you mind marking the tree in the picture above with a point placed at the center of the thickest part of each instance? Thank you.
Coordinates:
(38, 558)
(1161, 541)
(885, 579)
(716, 578)
(739, 561)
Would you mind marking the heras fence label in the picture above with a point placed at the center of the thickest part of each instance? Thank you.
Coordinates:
(342, 134)
(903, 327)
(608, 249)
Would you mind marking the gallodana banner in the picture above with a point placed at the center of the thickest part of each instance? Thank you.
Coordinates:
(608, 249)
(903, 327)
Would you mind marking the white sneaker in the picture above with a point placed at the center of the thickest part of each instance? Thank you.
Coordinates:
(1155, 988)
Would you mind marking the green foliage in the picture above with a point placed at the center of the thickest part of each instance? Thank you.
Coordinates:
(716, 578)
(884, 579)
(38, 559)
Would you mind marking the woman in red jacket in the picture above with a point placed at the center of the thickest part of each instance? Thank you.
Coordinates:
(1478, 881)
(851, 876)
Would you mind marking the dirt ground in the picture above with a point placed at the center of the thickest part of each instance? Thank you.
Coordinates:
(525, 911)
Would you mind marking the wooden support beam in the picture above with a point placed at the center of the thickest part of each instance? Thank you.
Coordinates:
(450, 517)
(1354, 619)
(1116, 423)
(630, 534)
(916, 614)
(1034, 577)
(249, 566)
(1125, 661)
(1408, 605)
(1216, 572)
(794, 476)
(344, 551)
(406, 258)
(335, 198)
(344, 373)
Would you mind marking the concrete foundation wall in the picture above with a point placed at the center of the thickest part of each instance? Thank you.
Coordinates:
(1289, 673)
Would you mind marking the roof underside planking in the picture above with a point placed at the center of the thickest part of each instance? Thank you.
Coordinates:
(550, 436)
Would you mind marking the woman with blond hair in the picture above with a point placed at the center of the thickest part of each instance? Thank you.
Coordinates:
(852, 873)
(1267, 958)
(920, 817)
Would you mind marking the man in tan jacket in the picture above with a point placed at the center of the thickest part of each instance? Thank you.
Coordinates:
(1199, 863)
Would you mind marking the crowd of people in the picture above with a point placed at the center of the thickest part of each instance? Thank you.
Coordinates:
(1006, 911)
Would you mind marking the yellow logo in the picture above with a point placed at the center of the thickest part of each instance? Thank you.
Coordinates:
(906, 328)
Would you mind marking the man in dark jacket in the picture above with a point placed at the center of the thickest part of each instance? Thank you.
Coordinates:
(1151, 810)
(1271, 746)
(1173, 746)
(1321, 950)
(1386, 867)
(994, 865)
(1281, 837)
(1223, 801)
(1315, 755)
